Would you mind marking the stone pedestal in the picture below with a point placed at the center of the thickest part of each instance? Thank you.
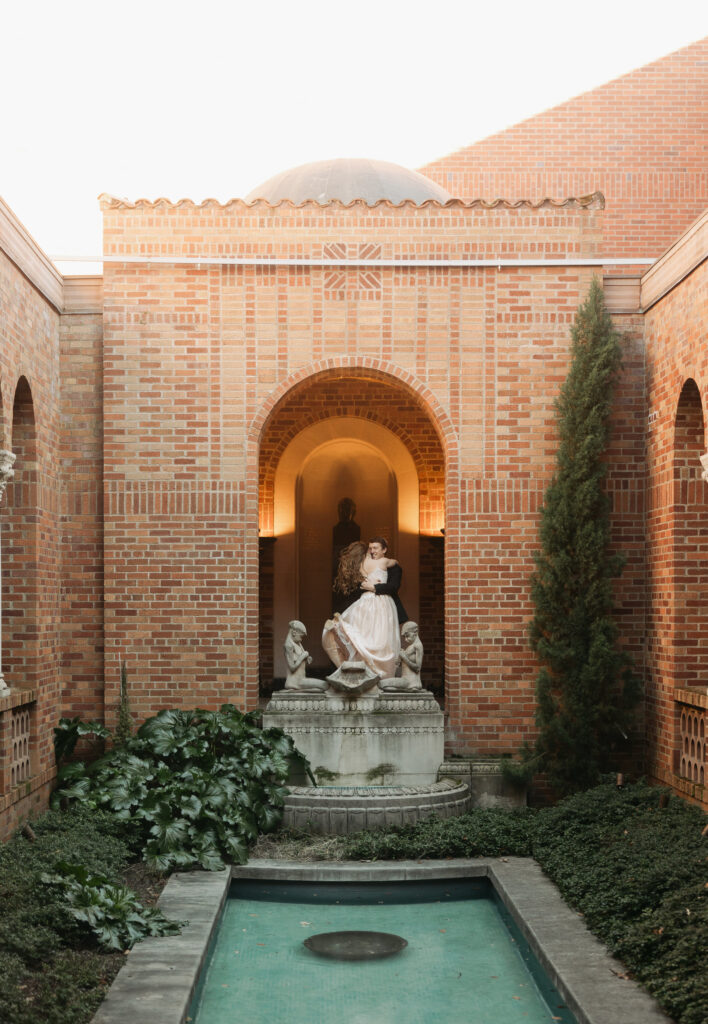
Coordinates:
(395, 739)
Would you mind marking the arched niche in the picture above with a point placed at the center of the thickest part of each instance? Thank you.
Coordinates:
(689, 568)
(20, 554)
(690, 535)
(338, 457)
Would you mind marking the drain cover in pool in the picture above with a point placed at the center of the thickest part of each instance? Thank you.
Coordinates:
(355, 945)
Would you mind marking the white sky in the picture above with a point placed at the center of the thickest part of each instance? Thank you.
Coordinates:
(207, 99)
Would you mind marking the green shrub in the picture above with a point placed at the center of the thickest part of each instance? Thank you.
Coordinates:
(196, 786)
(483, 833)
(70, 730)
(35, 922)
(68, 991)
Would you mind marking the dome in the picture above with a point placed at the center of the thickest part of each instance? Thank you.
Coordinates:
(347, 180)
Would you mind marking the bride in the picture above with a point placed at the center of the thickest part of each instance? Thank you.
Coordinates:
(368, 629)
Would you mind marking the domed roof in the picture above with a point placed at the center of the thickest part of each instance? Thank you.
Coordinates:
(347, 180)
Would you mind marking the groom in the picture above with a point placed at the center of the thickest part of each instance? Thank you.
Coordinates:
(377, 549)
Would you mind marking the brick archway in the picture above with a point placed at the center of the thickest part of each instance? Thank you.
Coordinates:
(394, 399)
(362, 368)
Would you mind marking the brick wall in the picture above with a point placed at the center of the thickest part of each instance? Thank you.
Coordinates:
(21, 577)
(29, 517)
(677, 500)
(639, 139)
(266, 593)
(159, 443)
(209, 371)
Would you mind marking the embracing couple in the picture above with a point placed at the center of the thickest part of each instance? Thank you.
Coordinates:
(368, 629)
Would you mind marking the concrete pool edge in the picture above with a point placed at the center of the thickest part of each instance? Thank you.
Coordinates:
(157, 983)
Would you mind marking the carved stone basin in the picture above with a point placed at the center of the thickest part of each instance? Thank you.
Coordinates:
(353, 678)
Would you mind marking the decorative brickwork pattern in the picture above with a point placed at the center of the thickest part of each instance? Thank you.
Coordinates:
(208, 380)
(20, 739)
(692, 744)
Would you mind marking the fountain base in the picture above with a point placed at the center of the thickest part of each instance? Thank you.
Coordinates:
(339, 810)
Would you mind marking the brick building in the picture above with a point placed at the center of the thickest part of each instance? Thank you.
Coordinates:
(184, 426)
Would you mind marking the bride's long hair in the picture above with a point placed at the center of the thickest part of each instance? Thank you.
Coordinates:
(348, 578)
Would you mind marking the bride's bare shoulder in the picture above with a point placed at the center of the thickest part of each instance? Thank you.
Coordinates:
(390, 562)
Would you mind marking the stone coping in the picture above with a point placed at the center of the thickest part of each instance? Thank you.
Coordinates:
(159, 980)
(14, 697)
(694, 696)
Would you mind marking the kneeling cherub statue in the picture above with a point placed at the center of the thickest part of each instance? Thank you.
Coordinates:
(411, 662)
(298, 659)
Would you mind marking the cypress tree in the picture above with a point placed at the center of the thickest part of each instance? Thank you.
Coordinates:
(586, 686)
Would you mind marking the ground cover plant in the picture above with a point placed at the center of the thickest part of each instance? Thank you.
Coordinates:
(54, 967)
(197, 786)
(635, 864)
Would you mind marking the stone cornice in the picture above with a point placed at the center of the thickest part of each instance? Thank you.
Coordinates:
(19, 247)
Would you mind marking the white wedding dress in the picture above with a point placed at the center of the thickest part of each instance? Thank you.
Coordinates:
(366, 631)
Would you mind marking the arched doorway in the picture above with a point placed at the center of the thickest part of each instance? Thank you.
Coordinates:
(348, 433)
(340, 457)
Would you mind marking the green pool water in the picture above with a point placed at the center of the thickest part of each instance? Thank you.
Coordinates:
(463, 962)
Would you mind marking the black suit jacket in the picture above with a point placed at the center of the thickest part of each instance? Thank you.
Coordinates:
(390, 587)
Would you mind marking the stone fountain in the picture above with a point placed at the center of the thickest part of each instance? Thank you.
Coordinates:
(375, 746)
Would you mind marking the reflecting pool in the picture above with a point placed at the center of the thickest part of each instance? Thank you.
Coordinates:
(464, 961)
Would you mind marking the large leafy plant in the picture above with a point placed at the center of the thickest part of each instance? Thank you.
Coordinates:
(199, 785)
(113, 912)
